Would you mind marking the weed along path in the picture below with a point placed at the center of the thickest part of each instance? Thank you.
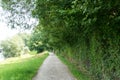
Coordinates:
(53, 69)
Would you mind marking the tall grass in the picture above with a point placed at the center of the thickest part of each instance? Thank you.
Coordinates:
(23, 70)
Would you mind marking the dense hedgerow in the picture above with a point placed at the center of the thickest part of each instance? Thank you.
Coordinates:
(85, 32)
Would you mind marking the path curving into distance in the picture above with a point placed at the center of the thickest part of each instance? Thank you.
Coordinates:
(53, 69)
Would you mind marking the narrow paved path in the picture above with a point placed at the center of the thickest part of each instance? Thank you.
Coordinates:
(53, 69)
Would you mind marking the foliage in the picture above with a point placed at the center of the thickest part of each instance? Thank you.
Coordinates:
(23, 69)
(86, 32)
(35, 43)
(13, 46)
(18, 13)
(26, 50)
(25, 37)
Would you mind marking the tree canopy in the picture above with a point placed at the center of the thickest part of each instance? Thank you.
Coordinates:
(18, 13)
(35, 43)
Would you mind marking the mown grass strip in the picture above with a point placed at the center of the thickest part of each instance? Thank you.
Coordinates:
(23, 70)
(76, 73)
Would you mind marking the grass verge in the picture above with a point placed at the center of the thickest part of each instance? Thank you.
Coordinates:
(76, 73)
(24, 69)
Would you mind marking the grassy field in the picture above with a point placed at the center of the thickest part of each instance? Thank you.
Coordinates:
(78, 75)
(22, 68)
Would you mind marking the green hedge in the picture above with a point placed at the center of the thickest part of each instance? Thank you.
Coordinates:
(85, 32)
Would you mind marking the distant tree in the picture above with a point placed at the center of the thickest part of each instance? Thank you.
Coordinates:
(35, 42)
(12, 47)
(25, 37)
